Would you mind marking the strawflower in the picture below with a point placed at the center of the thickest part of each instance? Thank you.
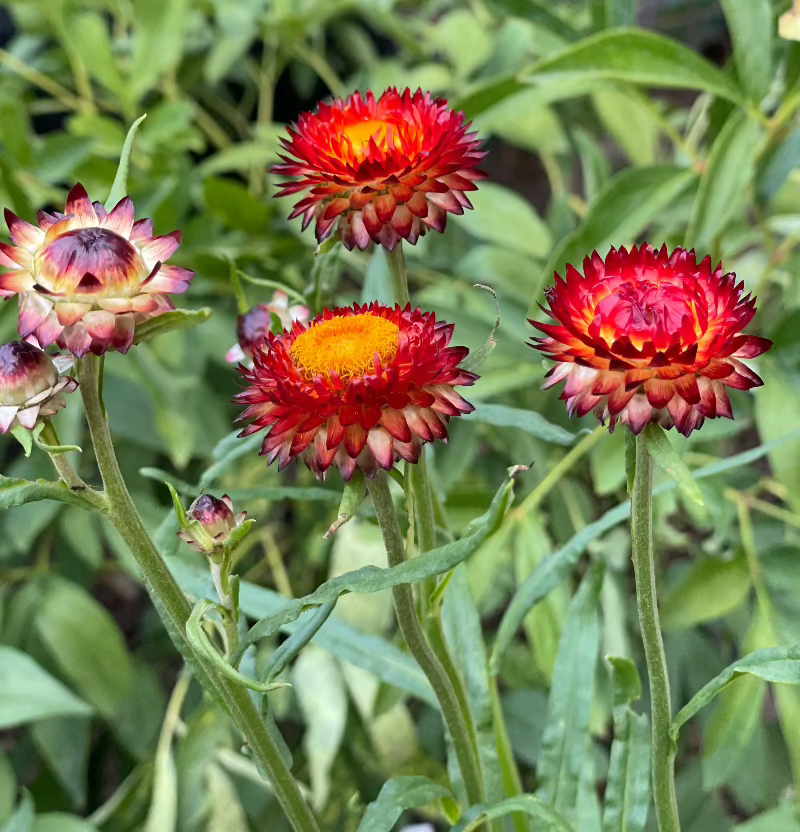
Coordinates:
(650, 336)
(381, 169)
(254, 325)
(211, 522)
(30, 385)
(86, 278)
(359, 387)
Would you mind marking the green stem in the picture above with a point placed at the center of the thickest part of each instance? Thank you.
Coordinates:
(408, 621)
(66, 471)
(396, 261)
(512, 783)
(646, 598)
(160, 582)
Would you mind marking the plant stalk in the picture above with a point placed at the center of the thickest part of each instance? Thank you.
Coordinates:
(160, 583)
(661, 710)
(454, 717)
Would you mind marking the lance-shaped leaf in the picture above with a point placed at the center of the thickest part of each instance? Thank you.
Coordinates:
(353, 495)
(170, 321)
(119, 190)
(17, 492)
(396, 796)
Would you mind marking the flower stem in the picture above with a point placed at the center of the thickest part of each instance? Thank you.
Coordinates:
(161, 584)
(396, 261)
(420, 649)
(661, 711)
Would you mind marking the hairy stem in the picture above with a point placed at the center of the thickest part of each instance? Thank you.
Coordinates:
(454, 717)
(161, 584)
(661, 710)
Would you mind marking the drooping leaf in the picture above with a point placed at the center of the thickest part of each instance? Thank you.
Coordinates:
(566, 740)
(396, 796)
(28, 693)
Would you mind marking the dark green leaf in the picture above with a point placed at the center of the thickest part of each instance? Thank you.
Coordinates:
(528, 420)
(396, 796)
(28, 693)
(566, 740)
(64, 744)
(17, 492)
(663, 452)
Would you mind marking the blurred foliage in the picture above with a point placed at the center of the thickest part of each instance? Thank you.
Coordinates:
(597, 135)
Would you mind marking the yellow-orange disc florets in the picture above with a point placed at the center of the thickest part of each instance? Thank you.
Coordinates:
(357, 388)
(646, 335)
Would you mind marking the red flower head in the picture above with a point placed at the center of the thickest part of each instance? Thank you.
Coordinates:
(381, 169)
(87, 277)
(356, 388)
(216, 519)
(650, 336)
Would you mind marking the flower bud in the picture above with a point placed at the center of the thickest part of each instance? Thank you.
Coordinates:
(211, 523)
(30, 386)
(253, 326)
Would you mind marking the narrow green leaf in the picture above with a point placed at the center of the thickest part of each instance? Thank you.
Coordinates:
(731, 165)
(180, 511)
(473, 361)
(398, 795)
(773, 664)
(663, 452)
(565, 741)
(530, 421)
(353, 495)
(627, 796)
(750, 25)
(288, 649)
(28, 693)
(119, 189)
(169, 322)
(710, 589)
(17, 492)
(553, 569)
(526, 803)
(374, 579)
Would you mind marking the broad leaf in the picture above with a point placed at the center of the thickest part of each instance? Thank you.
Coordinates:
(528, 420)
(750, 25)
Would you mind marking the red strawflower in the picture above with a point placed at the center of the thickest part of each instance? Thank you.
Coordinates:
(380, 170)
(86, 278)
(358, 387)
(650, 336)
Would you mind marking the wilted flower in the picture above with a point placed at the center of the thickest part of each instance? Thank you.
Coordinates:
(30, 387)
(253, 326)
(381, 170)
(87, 277)
(650, 336)
(211, 522)
(357, 388)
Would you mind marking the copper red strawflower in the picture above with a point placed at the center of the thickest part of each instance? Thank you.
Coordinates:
(380, 169)
(646, 335)
(359, 387)
(86, 278)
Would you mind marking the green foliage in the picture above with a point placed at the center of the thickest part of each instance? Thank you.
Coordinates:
(601, 134)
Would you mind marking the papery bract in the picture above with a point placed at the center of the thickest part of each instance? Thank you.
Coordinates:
(254, 325)
(381, 169)
(650, 336)
(216, 518)
(86, 278)
(30, 385)
(359, 387)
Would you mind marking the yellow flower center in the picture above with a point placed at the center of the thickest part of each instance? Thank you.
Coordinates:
(362, 131)
(345, 346)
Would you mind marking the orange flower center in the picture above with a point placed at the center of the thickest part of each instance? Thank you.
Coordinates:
(345, 346)
(361, 132)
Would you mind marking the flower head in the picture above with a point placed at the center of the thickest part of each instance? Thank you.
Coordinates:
(650, 336)
(253, 326)
(87, 277)
(30, 387)
(380, 169)
(211, 522)
(357, 388)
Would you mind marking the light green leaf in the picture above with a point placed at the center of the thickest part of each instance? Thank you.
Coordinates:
(663, 452)
(8, 789)
(526, 803)
(750, 24)
(773, 664)
(528, 420)
(60, 822)
(28, 693)
(630, 122)
(731, 164)
(17, 492)
(504, 218)
(353, 495)
(782, 819)
(396, 796)
(169, 322)
(476, 358)
(374, 579)
(711, 588)
(119, 188)
(64, 743)
(566, 739)
(86, 644)
(288, 649)
(159, 37)
(627, 796)
(23, 818)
